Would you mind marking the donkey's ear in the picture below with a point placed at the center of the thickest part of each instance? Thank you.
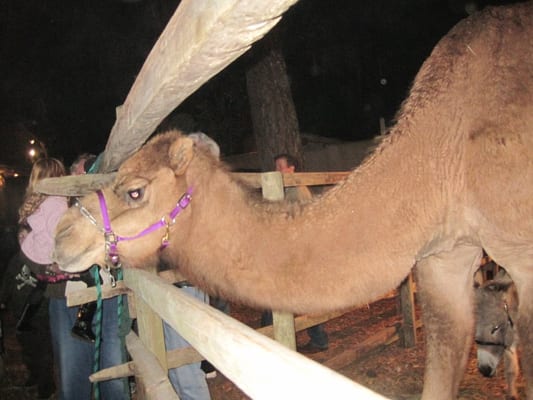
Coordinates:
(180, 154)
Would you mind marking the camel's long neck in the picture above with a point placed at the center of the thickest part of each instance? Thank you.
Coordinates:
(348, 247)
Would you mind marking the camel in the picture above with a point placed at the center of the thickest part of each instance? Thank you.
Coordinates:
(453, 177)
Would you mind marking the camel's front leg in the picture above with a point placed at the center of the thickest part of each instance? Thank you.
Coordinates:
(445, 287)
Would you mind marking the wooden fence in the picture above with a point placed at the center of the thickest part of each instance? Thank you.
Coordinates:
(234, 348)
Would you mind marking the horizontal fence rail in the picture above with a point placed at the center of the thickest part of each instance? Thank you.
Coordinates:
(259, 366)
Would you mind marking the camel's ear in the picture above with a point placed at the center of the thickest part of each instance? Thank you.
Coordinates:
(180, 154)
(202, 141)
(182, 150)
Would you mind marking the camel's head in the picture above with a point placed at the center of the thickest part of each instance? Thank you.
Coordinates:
(141, 203)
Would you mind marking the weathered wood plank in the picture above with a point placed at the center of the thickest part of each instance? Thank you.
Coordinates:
(283, 329)
(151, 378)
(150, 327)
(183, 356)
(87, 295)
(74, 185)
(253, 179)
(272, 186)
(179, 357)
(83, 296)
(200, 40)
(117, 371)
(175, 358)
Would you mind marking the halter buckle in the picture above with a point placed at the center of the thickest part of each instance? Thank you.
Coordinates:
(111, 250)
(110, 276)
(110, 238)
(165, 238)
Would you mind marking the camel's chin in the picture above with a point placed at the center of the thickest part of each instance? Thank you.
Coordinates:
(73, 263)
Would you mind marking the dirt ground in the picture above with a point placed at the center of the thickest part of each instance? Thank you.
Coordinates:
(390, 370)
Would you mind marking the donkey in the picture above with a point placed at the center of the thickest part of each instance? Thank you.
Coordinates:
(496, 336)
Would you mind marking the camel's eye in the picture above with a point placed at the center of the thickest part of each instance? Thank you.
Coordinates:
(132, 191)
(136, 194)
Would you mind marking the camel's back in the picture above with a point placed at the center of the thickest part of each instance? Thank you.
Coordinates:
(498, 128)
(469, 119)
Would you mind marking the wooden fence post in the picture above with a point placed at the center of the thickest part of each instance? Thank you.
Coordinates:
(150, 327)
(283, 322)
(284, 331)
(272, 186)
(151, 378)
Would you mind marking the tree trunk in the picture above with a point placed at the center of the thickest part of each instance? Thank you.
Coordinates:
(274, 118)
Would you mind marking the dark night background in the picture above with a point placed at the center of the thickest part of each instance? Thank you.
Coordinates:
(65, 66)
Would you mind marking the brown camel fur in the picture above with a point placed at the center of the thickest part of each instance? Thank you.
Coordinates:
(454, 176)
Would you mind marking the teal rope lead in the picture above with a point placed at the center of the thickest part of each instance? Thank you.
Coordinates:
(124, 327)
(124, 324)
(98, 328)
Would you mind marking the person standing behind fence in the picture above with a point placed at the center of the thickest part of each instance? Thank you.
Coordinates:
(189, 380)
(38, 218)
(318, 337)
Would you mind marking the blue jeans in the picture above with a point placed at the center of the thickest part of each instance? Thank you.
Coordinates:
(75, 357)
(318, 336)
(189, 380)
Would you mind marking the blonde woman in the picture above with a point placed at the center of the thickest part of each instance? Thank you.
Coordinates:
(38, 217)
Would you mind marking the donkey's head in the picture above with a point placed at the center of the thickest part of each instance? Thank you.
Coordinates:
(141, 211)
(496, 306)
